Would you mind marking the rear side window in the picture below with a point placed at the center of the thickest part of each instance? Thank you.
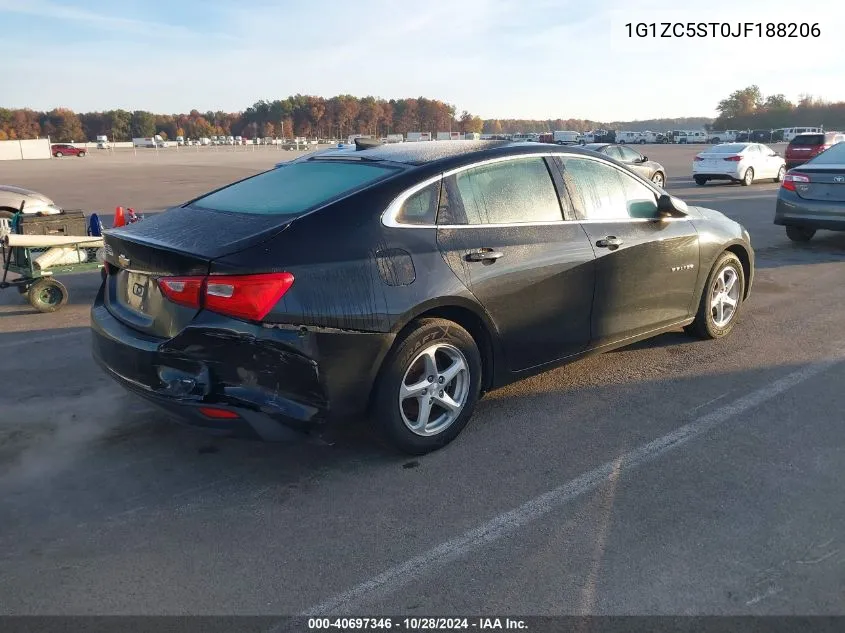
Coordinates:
(293, 189)
(808, 139)
(512, 191)
(421, 207)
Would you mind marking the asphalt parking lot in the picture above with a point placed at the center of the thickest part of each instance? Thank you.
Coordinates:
(674, 477)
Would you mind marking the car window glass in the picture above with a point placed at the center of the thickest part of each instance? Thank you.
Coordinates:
(421, 207)
(629, 155)
(519, 190)
(613, 151)
(833, 156)
(293, 188)
(602, 192)
(753, 149)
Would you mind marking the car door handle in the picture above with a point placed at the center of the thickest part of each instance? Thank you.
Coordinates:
(610, 241)
(484, 256)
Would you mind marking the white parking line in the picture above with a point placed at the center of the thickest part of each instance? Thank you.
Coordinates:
(404, 573)
(42, 339)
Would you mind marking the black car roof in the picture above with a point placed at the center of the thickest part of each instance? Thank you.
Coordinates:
(443, 152)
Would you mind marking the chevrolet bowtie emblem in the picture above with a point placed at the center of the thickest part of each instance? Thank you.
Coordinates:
(123, 260)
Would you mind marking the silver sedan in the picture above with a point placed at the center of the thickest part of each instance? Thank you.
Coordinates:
(34, 202)
(633, 160)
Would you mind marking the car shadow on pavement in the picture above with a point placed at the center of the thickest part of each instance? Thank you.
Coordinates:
(826, 247)
(670, 339)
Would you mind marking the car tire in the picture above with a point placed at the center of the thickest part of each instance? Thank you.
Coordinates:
(800, 233)
(81, 154)
(659, 179)
(448, 346)
(781, 173)
(700, 180)
(58, 154)
(47, 295)
(748, 177)
(708, 325)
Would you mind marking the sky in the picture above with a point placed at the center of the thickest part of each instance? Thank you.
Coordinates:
(534, 59)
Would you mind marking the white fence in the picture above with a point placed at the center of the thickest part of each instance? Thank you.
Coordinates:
(25, 150)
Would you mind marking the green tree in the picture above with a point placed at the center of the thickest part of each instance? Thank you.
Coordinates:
(741, 102)
(143, 124)
(777, 102)
(118, 124)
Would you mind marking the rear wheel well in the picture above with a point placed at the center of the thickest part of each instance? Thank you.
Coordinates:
(473, 324)
(740, 252)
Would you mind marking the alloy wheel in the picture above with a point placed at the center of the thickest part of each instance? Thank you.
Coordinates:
(724, 296)
(434, 389)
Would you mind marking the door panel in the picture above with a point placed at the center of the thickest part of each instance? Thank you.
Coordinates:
(646, 282)
(538, 290)
(646, 268)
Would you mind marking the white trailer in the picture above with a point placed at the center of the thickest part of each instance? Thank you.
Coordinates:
(419, 136)
(149, 141)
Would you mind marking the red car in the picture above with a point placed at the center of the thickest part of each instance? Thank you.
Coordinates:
(806, 146)
(63, 149)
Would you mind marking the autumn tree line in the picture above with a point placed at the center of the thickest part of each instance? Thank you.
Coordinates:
(299, 115)
(340, 116)
(749, 109)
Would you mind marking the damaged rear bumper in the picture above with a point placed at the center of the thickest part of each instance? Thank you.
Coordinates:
(277, 380)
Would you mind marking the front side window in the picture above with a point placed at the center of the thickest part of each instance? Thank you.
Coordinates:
(601, 192)
(629, 155)
(613, 151)
(512, 191)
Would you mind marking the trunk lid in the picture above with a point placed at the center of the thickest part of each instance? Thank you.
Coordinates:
(178, 242)
(827, 184)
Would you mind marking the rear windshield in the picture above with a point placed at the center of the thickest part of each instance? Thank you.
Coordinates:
(808, 139)
(295, 188)
(833, 156)
(727, 148)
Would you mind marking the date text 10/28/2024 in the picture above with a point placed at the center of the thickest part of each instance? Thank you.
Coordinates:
(723, 29)
(416, 624)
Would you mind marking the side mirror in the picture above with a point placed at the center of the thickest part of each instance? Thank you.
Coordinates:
(643, 159)
(671, 207)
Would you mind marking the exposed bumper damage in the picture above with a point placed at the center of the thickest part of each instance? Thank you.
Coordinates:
(276, 379)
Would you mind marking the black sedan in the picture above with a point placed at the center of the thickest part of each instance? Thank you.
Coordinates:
(404, 281)
(812, 196)
(636, 162)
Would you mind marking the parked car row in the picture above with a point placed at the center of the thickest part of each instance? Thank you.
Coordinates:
(749, 162)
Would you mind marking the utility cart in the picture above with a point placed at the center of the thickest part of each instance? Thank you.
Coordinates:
(38, 265)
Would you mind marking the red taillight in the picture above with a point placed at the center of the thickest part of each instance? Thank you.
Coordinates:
(248, 297)
(734, 159)
(218, 414)
(789, 181)
(185, 291)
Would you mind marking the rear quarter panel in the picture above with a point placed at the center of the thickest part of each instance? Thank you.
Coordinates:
(351, 272)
